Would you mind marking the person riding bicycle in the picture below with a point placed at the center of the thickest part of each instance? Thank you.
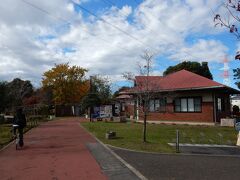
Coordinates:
(19, 123)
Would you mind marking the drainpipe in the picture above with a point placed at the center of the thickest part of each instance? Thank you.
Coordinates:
(214, 108)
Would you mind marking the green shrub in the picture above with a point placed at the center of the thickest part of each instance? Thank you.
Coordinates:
(2, 119)
(43, 110)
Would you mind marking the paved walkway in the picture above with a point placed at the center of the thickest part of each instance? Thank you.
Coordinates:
(208, 149)
(53, 151)
(211, 150)
(112, 167)
(182, 167)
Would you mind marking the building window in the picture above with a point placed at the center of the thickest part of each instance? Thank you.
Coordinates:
(193, 104)
(220, 104)
(157, 105)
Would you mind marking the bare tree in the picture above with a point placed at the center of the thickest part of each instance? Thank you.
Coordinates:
(143, 90)
(145, 71)
(231, 19)
(147, 90)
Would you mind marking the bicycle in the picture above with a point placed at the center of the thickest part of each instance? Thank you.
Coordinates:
(16, 136)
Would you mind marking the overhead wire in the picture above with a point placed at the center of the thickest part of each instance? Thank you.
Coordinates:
(105, 21)
(43, 10)
(176, 32)
(93, 14)
(151, 49)
(156, 51)
(108, 2)
(68, 22)
(186, 52)
(110, 24)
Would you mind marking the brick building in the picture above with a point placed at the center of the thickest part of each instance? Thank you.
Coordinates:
(180, 96)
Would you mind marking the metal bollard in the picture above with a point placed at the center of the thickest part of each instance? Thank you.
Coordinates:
(177, 141)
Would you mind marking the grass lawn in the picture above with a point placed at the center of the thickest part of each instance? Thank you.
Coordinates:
(5, 134)
(129, 135)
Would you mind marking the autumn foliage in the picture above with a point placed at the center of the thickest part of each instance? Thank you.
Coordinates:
(68, 83)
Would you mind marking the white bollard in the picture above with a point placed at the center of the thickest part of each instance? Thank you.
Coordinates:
(238, 140)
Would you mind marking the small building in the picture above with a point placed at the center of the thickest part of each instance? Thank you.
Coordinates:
(126, 104)
(67, 110)
(180, 96)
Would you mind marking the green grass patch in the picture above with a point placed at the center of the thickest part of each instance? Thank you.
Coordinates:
(129, 135)
(5, 134)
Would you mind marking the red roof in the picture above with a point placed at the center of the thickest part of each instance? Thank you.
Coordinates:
(180, 80)
(123, 96)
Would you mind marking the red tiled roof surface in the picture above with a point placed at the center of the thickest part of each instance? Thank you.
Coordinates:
(123, 96)
(176, 81)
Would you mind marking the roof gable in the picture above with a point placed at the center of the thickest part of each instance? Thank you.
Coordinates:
(179, 80)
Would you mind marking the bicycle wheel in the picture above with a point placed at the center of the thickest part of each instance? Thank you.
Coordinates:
(17, 143)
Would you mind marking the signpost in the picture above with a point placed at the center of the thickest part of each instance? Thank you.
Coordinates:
(103, 111)
(237, 127)
(177, 141)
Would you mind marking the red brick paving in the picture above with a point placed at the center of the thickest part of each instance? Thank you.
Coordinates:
(55, 150)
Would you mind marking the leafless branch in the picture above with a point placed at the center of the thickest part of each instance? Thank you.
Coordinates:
(128, 76)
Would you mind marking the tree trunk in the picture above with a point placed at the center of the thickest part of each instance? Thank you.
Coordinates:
(90, 112)
(145, 127)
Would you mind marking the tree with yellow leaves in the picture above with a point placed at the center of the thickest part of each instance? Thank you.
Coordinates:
(68, 83)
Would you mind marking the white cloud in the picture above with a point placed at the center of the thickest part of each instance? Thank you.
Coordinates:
(202, 50)
(32, 41)
(80, 1)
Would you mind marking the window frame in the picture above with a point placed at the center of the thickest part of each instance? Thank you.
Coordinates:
(187, 100)
(222, 101)
(161, 108)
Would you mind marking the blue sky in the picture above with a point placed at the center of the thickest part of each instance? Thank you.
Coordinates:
(173, 30)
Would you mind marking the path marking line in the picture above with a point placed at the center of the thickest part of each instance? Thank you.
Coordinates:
(135, 171)
(202, 145)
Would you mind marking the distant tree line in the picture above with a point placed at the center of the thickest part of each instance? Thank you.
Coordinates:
(14, 93)
(195, 67)
(63, 84)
